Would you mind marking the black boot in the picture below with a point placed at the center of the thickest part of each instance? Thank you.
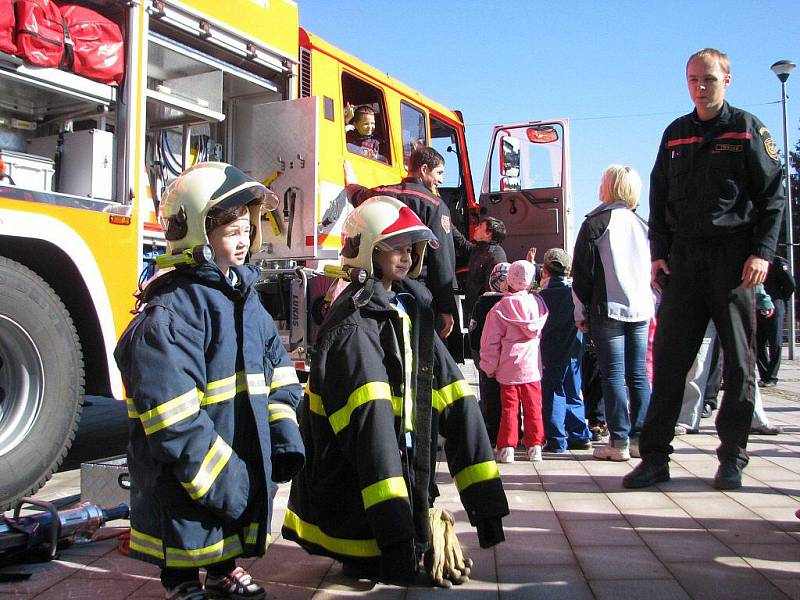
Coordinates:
(646, 473)
(729, 476)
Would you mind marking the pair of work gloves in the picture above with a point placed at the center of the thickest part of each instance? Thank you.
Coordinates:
(444, 561)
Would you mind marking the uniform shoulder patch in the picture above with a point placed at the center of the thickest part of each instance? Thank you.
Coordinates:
(446, 223)
(771, 148)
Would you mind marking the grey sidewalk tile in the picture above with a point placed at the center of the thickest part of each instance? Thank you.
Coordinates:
(763, 498)
(532, 521)
(474, 589)
(613, 532)
(550, 583)
(790, 587)
(772, 560)
(43, 575)
(782, 517)
(78, 587)
(738, 531)
(570, 505)
(529, 551)
(526, 500)
(620, 562)
(652, 589)
(684, 546)
(732, 579)
(661, 519)
(286, 562)
(647, 498)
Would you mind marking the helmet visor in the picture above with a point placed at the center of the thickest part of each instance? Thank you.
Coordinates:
(407, 238)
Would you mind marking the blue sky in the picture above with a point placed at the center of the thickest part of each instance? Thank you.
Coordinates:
(615, 69)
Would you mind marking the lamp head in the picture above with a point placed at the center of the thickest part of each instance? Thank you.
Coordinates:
(782, 69)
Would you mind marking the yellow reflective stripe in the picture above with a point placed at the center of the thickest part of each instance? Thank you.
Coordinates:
(257, 384)
(386, 489)
(475, 474)
(312, 533)
(251, 534)
(444, 397)
(284, 376)
(397, 405)
(278, 412)
(315, 402)
(224, 389)
(222, 550)
(213, 462)
(171, 412)
(132, 414)
(146, 544)
(375, 390)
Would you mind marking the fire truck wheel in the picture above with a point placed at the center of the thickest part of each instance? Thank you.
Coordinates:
(41, 382)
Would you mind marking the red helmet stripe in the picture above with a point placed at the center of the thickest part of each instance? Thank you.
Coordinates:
(405, 220)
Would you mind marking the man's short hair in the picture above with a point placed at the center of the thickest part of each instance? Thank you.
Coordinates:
(620, 183)
(424, 155)
(724, 61)
(557, 261)
(496, 228)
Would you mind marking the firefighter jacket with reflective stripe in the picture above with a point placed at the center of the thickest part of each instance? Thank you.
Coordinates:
(361, 491)
(715, 178)
(439, 269)
(212, 400)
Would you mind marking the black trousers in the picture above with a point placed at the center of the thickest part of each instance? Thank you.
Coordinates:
(769, 340)
(705, 283)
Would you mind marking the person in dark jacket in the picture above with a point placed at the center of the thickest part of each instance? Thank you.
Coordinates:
(382, 387)
(212, 395)
(780, 286)
(484, 253)
(716, 203)
(418, 192)
(562, 351)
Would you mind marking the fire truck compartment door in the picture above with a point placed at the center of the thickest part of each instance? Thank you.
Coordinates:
(277, 142)
(527, 185)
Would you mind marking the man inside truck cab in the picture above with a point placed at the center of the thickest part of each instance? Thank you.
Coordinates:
(418, 191)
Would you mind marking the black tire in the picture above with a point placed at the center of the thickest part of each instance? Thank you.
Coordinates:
(41, 382)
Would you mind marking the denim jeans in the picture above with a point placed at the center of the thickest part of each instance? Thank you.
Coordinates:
(621, 354)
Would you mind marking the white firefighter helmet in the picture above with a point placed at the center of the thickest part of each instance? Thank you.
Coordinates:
(385, 223)
(187, 200)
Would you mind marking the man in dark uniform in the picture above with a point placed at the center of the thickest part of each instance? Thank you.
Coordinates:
(780, 285)
(418, 192)
(716, 202)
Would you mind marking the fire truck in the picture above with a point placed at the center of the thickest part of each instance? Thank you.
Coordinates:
(86, 153)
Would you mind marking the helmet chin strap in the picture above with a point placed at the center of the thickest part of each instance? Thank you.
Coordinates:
(363, 296)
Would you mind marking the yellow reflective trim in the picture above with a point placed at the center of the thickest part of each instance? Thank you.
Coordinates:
(284, 376)
(475, 474)
(213, 462)
(132, 414)
(386, 489)
(367, 548)
(146, 544)
(257, 384)
(224, 389)
(315, 402)
(251, 534)
(171, 412)
(278, 412)
(444, 397)
(375, 390)
(222, 550)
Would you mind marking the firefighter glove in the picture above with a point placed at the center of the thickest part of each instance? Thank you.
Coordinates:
(444, 561)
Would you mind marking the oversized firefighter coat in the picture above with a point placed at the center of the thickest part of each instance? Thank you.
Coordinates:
(212, 399)
(356, 495)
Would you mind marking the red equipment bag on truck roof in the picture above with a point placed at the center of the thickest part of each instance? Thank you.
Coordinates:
(98, 51)
(7, 36)
(40, 33)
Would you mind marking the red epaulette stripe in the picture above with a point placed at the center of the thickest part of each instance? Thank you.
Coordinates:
(735, 136)
(393, 190)
(683, 141)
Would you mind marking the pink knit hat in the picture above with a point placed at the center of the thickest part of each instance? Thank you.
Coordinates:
(521, 274)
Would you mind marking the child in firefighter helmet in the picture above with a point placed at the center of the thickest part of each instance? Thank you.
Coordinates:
(212, 424)
(382, 388)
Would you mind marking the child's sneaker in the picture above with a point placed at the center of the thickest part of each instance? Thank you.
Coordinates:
(599, 432)
(190, 590)
(535, 454)
(238, 584)
(505, 455)
(609, 452)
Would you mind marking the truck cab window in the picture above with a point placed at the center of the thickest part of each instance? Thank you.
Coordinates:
(365, 126)
(415, 133)
(444, 139)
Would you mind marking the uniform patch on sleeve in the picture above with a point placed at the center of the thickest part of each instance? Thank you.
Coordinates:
(446, 223)
(771, 148)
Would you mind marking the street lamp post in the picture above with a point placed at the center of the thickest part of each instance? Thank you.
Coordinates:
(782, 69)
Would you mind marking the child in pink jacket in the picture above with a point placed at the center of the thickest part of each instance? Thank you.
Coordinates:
(510, 354)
